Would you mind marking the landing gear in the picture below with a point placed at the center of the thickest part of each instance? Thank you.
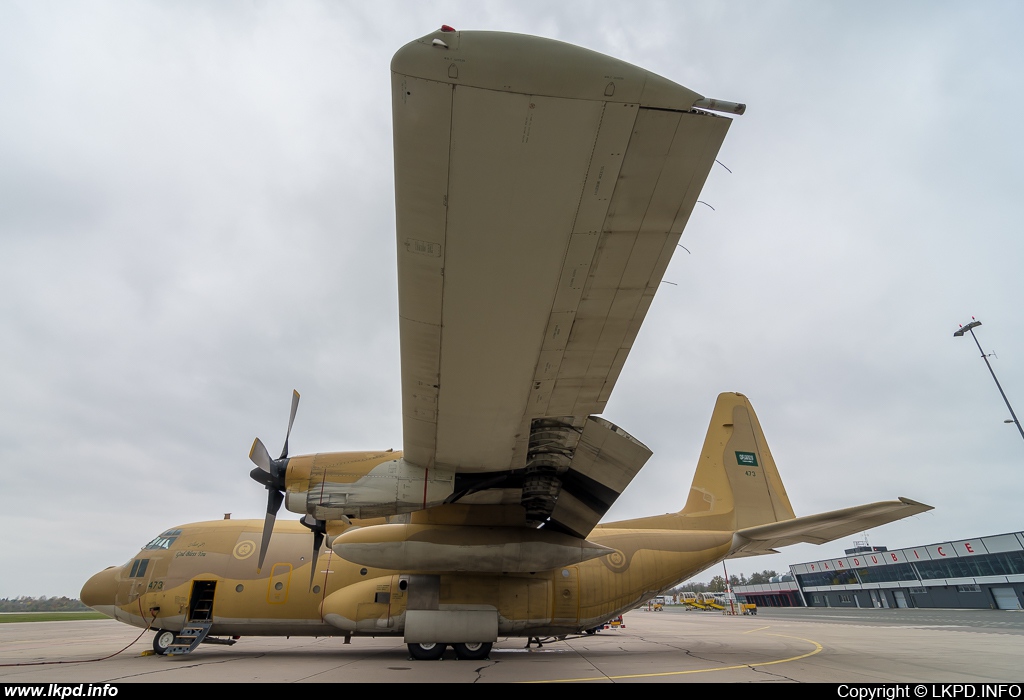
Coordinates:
(472, 651)
(428, 652)
(162, 640)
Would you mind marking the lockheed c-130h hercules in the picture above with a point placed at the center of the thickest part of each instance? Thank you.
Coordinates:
(541, 190)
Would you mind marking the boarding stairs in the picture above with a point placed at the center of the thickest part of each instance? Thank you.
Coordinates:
(191, 636)
(198, 626)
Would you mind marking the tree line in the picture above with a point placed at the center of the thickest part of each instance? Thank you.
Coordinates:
(717, 583)
(41, 604)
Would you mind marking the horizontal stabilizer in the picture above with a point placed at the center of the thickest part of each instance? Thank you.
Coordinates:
(821, 528)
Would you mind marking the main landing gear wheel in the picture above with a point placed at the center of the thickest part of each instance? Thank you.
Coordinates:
(427, 652)
(162, 641)
(472, 651)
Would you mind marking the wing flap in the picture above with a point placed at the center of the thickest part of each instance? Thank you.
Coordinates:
(666, 163)
(822, 527)
(605, 461)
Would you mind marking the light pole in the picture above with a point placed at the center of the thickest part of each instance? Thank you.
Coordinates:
(970, 328)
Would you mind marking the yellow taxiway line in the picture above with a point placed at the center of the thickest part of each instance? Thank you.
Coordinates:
(817, 648)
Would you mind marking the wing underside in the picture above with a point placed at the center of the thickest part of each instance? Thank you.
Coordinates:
(535, 221)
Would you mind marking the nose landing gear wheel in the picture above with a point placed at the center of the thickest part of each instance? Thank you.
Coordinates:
(162, 640)
(427, 652)
(472, 651)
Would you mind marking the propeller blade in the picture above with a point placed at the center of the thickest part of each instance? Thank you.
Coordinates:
(263, 478)
(259, 455)
(291, 419)
(318, 539)
(274, 500)
(318, 528)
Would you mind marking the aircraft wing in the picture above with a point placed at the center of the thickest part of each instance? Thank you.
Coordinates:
(540, 191)
(821, 528)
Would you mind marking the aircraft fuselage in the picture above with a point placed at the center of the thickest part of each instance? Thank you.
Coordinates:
(156, 587)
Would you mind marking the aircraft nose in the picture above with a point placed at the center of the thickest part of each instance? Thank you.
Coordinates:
(100, 591)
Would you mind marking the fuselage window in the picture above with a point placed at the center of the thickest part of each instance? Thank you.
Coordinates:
(139, 568)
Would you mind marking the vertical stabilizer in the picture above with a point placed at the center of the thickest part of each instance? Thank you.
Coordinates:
(736, 484)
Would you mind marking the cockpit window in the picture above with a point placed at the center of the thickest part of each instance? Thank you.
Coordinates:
(163, 541)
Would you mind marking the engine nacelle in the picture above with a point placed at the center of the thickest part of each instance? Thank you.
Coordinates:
(335, 485)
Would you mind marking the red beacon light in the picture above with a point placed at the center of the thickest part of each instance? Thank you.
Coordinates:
(446, 28)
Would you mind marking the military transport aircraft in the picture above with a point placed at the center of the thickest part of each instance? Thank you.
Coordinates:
(541, 190)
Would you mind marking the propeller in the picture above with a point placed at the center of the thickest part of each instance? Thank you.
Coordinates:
(271, 473)
(319, 529)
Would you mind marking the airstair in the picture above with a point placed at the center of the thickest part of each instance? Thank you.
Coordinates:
(191, 636)
(200, 619)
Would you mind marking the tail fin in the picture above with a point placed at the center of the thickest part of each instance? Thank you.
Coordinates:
(738, 489)
(736, 485)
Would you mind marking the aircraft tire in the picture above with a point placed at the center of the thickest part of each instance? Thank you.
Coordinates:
(472, 651)
(163, 640)
(427, 652)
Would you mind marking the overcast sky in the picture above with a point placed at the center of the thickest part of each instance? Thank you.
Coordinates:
(197, 216)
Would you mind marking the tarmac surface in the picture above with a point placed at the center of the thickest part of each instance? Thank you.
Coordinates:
(778, 645)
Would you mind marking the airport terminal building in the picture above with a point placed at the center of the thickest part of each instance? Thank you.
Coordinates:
(986, 572)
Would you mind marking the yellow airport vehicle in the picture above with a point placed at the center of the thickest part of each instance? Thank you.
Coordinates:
(615, 623)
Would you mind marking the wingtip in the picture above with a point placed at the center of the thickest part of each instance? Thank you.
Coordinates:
(918, 504)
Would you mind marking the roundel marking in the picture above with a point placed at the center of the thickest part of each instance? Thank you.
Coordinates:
(244, 549)
(617, 561)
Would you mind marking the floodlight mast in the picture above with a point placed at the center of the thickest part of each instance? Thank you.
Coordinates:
(970, 328)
